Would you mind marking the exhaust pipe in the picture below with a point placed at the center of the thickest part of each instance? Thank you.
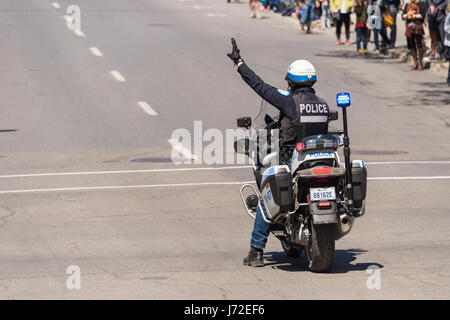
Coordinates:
(344, 226)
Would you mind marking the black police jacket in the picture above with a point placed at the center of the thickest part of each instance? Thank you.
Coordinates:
(302, 112)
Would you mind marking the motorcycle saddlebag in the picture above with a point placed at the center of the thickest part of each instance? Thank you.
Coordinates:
(359, 182)
(276, 191)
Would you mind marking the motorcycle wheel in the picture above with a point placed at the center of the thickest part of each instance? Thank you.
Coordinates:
(321, 252)
(291, 251)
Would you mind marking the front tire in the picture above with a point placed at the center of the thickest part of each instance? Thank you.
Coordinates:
(321, 252)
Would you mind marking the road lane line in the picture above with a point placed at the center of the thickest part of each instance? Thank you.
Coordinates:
(201, 7)
(116, 74)
(56, 5)
(171, 169)
(218, 15)
(410, 178)
(96, 52)
(408, 162)
(193, 184)
(125, 187)
(179, 147)
(119, 172)
(79, 33)
(146, 107)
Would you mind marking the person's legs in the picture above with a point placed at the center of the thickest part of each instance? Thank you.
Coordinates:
(375, 39)
(393, 11)
(412, 45)
(328, 17)
(258, 241)
(310, 17)
(260, 231)
(434, 37)
(277, 5)
(441, 35)
(257, 8)
(384, 39)
(338, 29)
(448, 76)
(346, 18)
(324, 16)
(358, 39)
(364, 38)
(418, 39)
(252, 8)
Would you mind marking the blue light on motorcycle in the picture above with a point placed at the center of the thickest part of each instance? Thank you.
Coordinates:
(343, 99)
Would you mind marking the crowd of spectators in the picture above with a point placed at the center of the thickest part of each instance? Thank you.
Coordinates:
(375, 19)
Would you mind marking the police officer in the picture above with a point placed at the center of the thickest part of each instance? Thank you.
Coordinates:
(302, 114)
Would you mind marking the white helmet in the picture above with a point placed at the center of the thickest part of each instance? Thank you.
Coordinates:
(300, 72)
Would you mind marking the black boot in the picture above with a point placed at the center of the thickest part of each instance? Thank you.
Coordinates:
(254, 258)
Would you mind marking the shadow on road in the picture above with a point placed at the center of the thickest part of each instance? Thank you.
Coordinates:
(434, 96)
(343, 261)
(8, 130)
(353, 55)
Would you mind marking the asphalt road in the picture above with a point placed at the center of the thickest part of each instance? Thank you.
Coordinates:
(86, 177)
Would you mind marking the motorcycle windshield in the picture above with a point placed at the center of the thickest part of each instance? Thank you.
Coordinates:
(266, 109)
(320, 142)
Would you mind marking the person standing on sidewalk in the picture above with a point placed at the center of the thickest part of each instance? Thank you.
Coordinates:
(341, 10)
(307, 16)
(360, 8)
(255, 7)
(326, 16)
(375, 23)
(393, 6)
(436, 20)
(415, 17)
(447, 39)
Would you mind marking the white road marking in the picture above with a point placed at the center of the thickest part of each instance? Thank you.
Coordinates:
(201, 7)
(410, 178)
(409, 162)
(120, 171)
(175, 142)
(125, 187)
(146, 107)
(116, 74)
(56, 5)
(67, 18)
(96, 52)
(179, 147)
(79, 33)
(218, 15)
(193, 184)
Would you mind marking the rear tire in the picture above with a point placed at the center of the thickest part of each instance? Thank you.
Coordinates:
(292, 252)
(321, 252)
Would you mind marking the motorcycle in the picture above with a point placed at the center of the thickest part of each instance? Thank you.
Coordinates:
(313, 200)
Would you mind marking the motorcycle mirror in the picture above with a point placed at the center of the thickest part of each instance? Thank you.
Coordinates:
(242, 146)
(268, 119)
(343, 100)
(334, 115)
(244, 122)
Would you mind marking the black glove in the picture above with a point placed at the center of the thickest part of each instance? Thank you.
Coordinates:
(234, 55)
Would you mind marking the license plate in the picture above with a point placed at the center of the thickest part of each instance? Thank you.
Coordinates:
(320, 194)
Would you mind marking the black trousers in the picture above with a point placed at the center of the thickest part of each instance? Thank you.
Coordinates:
(415, 42)
(344, 18)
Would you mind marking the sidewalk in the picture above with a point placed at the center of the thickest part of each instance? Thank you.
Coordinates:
(400, 53)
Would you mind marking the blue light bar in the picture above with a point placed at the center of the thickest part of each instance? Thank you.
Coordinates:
(343, 99)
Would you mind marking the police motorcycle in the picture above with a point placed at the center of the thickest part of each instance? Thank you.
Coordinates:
(313, 200)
